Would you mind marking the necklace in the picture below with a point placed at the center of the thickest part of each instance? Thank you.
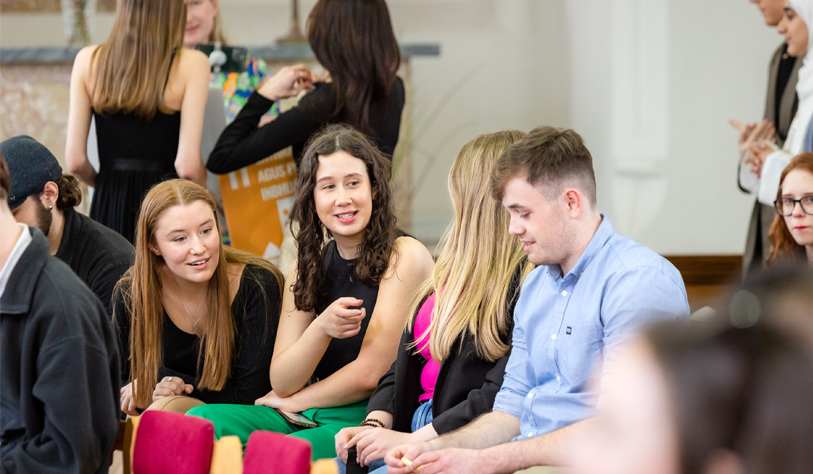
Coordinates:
(178, 290)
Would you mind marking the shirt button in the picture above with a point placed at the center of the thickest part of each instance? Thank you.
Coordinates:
(553, 336)
(558, 378)
(530, 395)
(531, 434)
(581, 273)
(564, 292)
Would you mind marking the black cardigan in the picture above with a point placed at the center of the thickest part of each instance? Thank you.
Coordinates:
(242, 143)
(466, 384)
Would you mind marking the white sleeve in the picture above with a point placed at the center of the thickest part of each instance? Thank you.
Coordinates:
(747, 179)
(772, 169)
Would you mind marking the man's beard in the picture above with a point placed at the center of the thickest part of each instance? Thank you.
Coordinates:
(43, 218)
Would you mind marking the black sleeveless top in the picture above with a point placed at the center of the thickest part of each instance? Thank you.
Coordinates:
(340, 282)
(135, 154)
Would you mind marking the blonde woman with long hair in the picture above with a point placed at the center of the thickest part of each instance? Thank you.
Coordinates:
(194, 318)
(147, 95)
(454, 350)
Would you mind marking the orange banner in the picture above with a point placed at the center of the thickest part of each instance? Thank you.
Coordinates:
(257, 200)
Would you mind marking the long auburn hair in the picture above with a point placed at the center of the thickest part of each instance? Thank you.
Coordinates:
(354, 40)
(474, 271)
(141, 289)
(784, 248)
(131, 67)
(375, 251)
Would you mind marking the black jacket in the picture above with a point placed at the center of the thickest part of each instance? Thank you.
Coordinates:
(465, 388)
(59, 370)
(97, 254)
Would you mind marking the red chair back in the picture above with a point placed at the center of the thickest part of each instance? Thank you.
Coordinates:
(171, 443)
(273, 453)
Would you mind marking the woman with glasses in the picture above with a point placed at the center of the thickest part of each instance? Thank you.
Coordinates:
(791, 234)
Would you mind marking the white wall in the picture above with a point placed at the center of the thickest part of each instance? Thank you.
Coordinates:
(522, 63)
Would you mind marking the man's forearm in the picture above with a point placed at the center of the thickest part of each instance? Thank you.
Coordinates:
(488, 430)
(546, 450)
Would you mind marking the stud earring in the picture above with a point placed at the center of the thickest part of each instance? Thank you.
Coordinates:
(50, 207)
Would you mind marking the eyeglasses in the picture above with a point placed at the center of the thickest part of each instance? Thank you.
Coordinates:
(785, 206)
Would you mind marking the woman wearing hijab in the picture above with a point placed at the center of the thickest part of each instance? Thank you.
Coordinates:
(767, 162)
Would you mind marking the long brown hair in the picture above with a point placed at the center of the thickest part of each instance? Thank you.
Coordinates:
(784, 248)
(353, 39)
(373, 257)
(473, 274)
(141, 291)
(131, 67)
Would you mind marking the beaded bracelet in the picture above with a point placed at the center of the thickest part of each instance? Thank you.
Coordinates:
(373, 423)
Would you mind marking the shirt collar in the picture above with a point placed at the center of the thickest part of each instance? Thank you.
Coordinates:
(67, 245)
(22, 280)
(22, 243)
(603, 234)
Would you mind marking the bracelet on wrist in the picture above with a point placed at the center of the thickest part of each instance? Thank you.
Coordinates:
(373, 422)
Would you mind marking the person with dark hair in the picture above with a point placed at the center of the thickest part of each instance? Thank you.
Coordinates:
(345, 304)
(354, 41)
(791, 233)
(591, 290)
(59, 364)
(686, 401)
(43, 197)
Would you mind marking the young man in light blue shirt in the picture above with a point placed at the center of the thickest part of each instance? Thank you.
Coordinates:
(592, 289)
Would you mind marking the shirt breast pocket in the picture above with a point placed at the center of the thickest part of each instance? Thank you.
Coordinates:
(578, 353)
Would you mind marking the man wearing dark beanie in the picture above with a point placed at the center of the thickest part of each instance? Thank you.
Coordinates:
(59, 361)
(41, 196)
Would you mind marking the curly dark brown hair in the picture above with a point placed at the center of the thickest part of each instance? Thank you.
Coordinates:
(373, 256)
(70, 195)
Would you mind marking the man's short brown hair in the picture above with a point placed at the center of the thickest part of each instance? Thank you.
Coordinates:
(5, 179)
(549, 158)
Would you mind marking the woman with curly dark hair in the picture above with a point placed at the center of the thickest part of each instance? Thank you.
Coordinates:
(346, 302)
(791, 234)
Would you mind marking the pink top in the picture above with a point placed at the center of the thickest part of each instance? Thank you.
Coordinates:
(429, 374)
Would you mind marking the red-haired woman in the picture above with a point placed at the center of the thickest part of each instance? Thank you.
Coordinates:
(194, 318)
(791, 234)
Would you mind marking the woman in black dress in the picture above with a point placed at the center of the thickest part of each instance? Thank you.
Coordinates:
(147, 95)
(354, 41)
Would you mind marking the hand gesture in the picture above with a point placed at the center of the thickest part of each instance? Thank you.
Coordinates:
(447, 461)
(340, 321)
(171, 386)
(752, 133)
(288, 82)
(410, 452)
(372, 445)
(127, 400)
(756, 156)
(343, 438)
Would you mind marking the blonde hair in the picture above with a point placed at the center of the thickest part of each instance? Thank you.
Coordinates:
(474, 272)
(216, 34)
(131, 67)
(141, 291)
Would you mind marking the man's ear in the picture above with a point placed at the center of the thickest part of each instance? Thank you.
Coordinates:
(49, 195)
(573, 201)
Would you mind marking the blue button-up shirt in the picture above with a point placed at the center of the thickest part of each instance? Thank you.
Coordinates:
(565, 326)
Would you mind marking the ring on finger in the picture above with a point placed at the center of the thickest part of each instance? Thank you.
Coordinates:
(169, 379)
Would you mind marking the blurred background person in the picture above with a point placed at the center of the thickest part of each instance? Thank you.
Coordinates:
(354, 41)
(780, 108)
(792, 229)
(43, 197)
(682, 401)
(147, 95)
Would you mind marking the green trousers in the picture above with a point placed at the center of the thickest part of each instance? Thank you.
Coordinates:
(242, 420)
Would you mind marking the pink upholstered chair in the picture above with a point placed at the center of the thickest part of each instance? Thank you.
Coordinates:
(170, 443)
(272, 453)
